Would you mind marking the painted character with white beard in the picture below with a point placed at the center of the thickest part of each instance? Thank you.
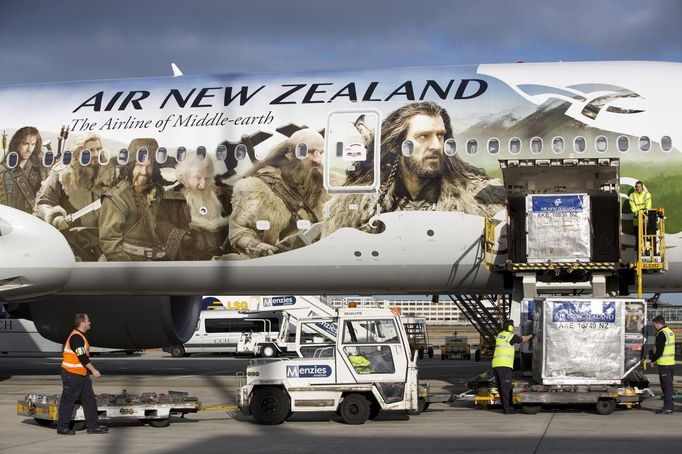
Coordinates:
(424, 180)
(132, 212)
(75, 187)
(200, 209)
(281, 189)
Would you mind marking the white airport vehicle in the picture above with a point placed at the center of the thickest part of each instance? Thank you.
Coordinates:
(366, 370)
(222, 331)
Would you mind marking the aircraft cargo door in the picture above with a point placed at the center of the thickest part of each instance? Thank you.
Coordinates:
(562, 210)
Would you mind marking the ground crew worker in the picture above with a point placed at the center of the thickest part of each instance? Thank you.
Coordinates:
(503, 363)
(664, 357)
(640, 201)
(76, 367)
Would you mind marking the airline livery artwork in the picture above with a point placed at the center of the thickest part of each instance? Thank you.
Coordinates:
(239, 167)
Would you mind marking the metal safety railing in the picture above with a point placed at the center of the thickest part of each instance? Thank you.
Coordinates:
(650, 245)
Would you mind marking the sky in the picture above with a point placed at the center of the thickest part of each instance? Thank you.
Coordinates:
(81, 40)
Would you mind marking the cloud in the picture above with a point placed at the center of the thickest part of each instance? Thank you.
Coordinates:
(136, 39)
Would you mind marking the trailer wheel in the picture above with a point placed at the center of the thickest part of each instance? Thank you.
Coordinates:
(268, 351)
(605, 406)
(269, 405)
(44, 422)
(177, 351)
(159, 422)
(430, 351)
(530, 409)
(354, 409)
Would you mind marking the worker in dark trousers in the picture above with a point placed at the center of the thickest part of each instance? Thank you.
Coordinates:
(664, 357)
(503, 363)
(76, 371)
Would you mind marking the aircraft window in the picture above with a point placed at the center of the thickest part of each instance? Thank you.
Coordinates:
(303, 224)
(536, 145)
(122, 158)
(623, 144)
(666, 143)
(262, 224)
(201, 153)
(515, 146)
(12, 159)
(580, 144)
(67, 158)
(602, 144)
(558, 145)
(407, 148)
(644, 144)
(450, 147)
(103, 158)
(339, 149)
(48, 159)
(221, 153)
(85, 157)
(493, 146)
(351, 163)
(142, 155)
(472, 147)
(240, 152)
(181, 154)
(301, 150)
(161, 155)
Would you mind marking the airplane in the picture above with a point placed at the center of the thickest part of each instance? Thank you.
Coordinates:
(373, 181)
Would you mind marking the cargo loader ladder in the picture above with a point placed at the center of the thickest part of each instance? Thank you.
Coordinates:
(487, 319)
(650, 246)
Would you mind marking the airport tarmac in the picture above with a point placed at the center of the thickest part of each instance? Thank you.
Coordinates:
(457, 427)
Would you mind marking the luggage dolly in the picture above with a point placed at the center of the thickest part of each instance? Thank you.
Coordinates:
(153, 408)
(531, 398)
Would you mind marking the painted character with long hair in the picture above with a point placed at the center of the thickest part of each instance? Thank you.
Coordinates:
(20, 183)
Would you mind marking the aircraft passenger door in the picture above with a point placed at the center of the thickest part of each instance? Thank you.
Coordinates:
(372, 352)
(351, 157)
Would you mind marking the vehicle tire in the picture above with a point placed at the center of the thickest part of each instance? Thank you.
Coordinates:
(605, 406)
(354, 409)
(177, 351)
(44, 422)
(420, 353)
(270, 405)
(430, 352)
(421, 406)
(268, 351)
(531, 409)
(78, 426)
(374, 410)
(477, 355)
(159, 422)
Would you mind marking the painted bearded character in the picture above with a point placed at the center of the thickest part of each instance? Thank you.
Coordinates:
(424, 180)
(282, 189)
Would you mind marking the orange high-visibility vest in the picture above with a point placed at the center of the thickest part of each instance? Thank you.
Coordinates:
(70, 361)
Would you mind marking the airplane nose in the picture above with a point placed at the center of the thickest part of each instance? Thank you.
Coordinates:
(35, 259)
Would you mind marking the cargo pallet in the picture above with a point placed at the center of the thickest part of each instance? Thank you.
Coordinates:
(532, 398)
(153, 408)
